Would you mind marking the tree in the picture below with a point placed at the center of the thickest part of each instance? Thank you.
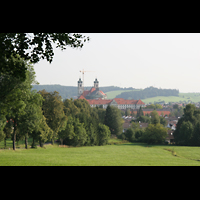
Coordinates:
(144, 119)
(2, 125)
(187, 128)
(113, 120)
(140, 112)
(31, 119)
(8, 130)
(19, 99)
(80, 136)
(127, 112)
(8, 78)
(17, 107)
(155, 119)
(70, 108)
(155, 134)
(196, 135)
(67, 134)
(130, 134)
(103, 134)
(53, 110)
(163, 121)
(33, 47)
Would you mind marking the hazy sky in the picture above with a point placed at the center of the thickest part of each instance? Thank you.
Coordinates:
(138, 60)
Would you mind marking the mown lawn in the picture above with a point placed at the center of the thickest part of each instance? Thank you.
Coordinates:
(129, 154)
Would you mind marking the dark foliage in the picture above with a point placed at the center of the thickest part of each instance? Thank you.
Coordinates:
(188, 127)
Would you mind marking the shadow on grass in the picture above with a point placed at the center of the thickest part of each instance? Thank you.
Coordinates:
(147, 145)
(138, 144)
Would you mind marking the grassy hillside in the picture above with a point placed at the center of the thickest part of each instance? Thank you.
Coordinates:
(113, 94)
(187, 97)
(112, 155)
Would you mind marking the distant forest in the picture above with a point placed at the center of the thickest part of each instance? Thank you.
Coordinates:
(148, 92)
(67, 92)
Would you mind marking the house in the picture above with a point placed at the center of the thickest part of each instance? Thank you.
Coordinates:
(143, 125)
(126, 125)
(172, 126)
(170, 137)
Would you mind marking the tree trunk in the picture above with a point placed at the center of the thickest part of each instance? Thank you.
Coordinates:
(5, 142)
(61, 141)
(26, 142)
(14, 135)
(52, 141)
(41, 143)
(33, 144)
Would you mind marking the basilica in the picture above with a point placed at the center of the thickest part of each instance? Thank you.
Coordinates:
(93, 93)
(96, 97)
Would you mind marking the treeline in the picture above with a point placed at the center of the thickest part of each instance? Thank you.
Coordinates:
(147, 93)
(67, 92)
(43, 116)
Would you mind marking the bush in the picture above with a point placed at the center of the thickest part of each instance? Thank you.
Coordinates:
(155, 134)
(130, 135)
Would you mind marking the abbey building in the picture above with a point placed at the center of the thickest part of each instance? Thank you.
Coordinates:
(96, 97)
(93, 93)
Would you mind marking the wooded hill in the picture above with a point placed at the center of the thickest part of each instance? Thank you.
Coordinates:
(71, 91)
(147, 93)
(67, 92)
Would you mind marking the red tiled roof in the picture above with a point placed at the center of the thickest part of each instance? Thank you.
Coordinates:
(81, 97)
(165, 112)
(140, 102)
(92, 90)
(98, 101)
(86, 92)
(126, 101)
(102, 92)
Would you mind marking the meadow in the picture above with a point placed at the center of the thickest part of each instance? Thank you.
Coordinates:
(127, 154)
(183, 97)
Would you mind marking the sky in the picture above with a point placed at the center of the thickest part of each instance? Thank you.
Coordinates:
(138, 60)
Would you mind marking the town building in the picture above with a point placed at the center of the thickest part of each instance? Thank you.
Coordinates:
(117, 102)
(161, 112)
(170, 137)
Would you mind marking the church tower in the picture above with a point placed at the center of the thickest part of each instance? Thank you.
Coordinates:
(96, 84)
(80, 87)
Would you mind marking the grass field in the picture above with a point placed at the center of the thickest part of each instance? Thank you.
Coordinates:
(128, 154)
(194, 97)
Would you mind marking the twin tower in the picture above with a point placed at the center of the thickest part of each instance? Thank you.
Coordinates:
(81, 88)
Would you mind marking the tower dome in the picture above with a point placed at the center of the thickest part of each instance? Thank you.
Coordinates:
(96, 83)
